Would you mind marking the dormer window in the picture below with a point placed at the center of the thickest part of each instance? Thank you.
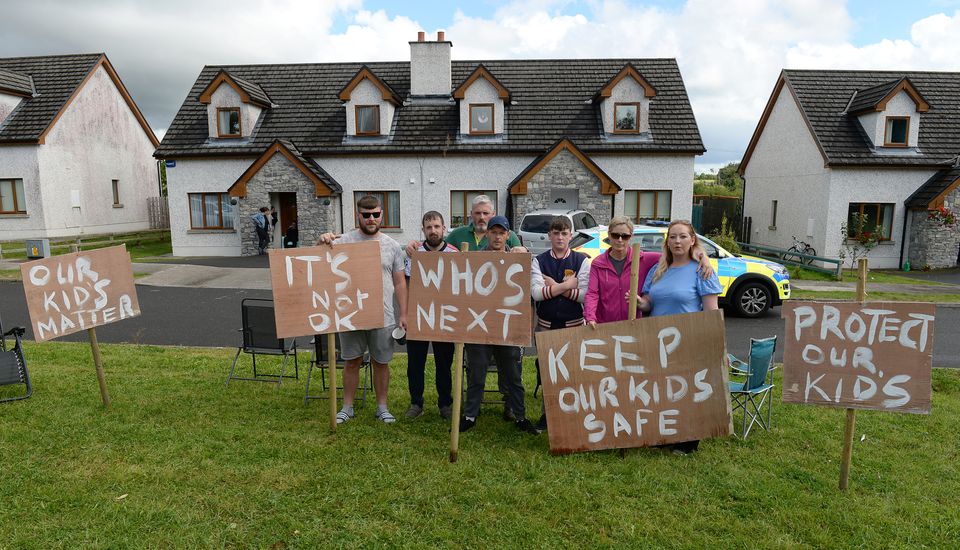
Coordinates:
(625, 104)
(626, 118)
(228, 122)
(481, 118)
(368, 120)
(483, 100)
(897, 131)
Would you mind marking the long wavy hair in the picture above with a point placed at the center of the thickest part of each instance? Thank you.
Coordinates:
(666, 257)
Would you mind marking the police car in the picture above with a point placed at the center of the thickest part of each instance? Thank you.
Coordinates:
(751, 285)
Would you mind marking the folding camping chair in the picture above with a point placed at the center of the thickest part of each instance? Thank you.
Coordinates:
(13, 365)
(490, 396)
(756, 390)
(319, 359)
(260, 338)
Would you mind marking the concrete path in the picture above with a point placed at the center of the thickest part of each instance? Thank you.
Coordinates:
(827, 286)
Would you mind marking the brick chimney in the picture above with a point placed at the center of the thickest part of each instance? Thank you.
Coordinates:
(430, 67)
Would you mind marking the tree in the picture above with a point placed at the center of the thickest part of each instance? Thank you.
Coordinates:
(729, 178)
(858, 238)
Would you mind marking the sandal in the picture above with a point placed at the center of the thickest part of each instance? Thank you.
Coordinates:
(385, 417)
(342, 416)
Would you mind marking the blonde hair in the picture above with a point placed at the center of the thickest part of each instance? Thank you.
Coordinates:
(621, 220)
(666, 257)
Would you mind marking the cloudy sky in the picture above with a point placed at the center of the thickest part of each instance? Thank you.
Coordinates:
(730, 52)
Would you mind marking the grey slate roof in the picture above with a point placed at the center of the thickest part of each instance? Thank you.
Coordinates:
(932, 187)
(869, 97)
(55, 78)
(255, 92)
(15, 82)
(823, 97)
(551, 99)
(315, 168)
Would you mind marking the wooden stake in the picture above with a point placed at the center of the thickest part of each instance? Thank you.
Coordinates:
(457, 390)
(634, 288)
(98, 362)
(849, 427)
(332, 367)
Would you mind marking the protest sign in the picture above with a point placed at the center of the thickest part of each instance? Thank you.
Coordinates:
(635, 383)
(471, 297)
(874, 355)
(324, 289)
(79, 291)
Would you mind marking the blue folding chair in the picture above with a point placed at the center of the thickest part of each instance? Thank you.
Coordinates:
(756, 392)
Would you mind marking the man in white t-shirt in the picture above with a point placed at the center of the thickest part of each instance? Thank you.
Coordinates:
(378, 342)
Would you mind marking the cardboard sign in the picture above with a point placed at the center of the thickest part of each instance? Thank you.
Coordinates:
(324, 289)
(635, 383)
(875, 355)
(79, 291)
(470, 297)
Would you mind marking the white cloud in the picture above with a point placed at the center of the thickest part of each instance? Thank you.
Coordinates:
(730, 52)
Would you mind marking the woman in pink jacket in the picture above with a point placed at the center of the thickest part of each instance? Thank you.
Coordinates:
(609, 289)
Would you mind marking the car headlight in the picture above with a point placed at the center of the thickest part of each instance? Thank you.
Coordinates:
(780, 270)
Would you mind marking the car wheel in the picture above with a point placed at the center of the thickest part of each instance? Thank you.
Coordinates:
(752, 299)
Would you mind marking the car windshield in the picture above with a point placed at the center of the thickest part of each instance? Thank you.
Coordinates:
(536, 223)
(580, 239)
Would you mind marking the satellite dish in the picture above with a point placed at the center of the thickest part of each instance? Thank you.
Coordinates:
(233, 201)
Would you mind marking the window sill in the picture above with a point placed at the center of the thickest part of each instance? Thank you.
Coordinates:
(209, 231)
(14, 215)
(118, 205)
(391, 229)
(887, 242)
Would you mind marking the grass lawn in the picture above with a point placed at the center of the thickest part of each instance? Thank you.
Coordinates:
(182, 461)
(798, 294)
(850, 275)
(140, 245)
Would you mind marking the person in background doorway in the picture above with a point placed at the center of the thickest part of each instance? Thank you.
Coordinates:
(262, 226)
(292, 237)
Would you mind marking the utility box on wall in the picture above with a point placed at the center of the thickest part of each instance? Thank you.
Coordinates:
(37, 248)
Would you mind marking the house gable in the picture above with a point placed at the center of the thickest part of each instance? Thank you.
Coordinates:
(625, 104)
(324, 184)
(519, 185)
(369, 105)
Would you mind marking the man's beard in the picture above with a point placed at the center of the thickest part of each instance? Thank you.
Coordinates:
(480, 227)
(367, 231)
(434, 242)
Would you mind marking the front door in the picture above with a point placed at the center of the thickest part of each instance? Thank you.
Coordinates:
(287, 208)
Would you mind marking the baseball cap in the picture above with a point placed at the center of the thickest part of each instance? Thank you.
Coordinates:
(499, 220)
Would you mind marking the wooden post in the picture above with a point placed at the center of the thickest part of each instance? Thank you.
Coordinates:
(332, 366)
(457, 390)
(634, 290)
(851, 424)
(98, 362)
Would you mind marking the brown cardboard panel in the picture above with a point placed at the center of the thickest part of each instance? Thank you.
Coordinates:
(875, 355)
(323, 289)
(78, 291)
(470, 297)
(635, 383)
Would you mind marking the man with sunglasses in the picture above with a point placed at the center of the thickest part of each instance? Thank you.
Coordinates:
(378, 342)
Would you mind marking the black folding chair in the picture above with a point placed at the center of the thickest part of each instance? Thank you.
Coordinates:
(319, 360)
(260, 338)
(13, 365)
(491, 396)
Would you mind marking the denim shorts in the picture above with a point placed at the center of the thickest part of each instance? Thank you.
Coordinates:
(378, 341)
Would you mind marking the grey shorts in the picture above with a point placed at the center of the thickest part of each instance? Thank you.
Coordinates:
(378, 341)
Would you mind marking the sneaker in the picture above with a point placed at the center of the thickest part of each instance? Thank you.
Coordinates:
(466, 424)
(524, 425)
(508, 414)
(541, 424)
(446, 412)
(344, 415)
(415, 411)
(384, 416)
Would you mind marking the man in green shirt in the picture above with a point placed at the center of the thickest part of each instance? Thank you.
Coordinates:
(475, 234)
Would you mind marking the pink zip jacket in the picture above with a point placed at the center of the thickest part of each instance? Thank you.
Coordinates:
(605, 301)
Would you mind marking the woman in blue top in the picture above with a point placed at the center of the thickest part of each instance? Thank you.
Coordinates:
(676, 287)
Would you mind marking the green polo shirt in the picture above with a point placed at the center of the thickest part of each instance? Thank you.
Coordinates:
(465, 234)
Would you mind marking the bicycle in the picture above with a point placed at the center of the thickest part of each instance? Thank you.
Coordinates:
(799, 247)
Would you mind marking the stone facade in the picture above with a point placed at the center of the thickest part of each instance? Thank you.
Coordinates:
(932, 245)
(564, 171)
(315, 215)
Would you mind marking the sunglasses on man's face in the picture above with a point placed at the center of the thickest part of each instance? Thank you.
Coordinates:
(370, 214)
(620, 236)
